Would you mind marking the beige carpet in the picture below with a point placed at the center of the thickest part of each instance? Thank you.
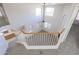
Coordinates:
(69, 47)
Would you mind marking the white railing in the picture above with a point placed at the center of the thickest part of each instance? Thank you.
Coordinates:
(41, 40)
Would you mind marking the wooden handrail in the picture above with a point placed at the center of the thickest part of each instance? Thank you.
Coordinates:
(62, 30)
(41, 32)
(54, 33)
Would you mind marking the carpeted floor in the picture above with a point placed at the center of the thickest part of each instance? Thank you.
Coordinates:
(69, 47)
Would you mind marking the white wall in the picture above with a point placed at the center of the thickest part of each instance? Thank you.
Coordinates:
(67, 12)
(19, 14)
(56, 19)
(71, 12)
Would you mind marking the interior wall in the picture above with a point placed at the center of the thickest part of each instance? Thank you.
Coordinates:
(67, 12)
(19, 14)
(56, 19)
(71, 12)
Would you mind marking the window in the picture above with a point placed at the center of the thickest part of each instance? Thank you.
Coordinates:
(38, 11)
(3, 18)
(49, 11)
